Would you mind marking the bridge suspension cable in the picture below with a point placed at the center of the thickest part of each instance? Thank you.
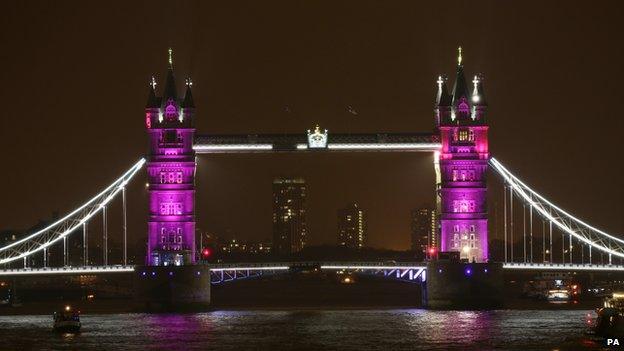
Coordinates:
(567, 223)
(65, 226)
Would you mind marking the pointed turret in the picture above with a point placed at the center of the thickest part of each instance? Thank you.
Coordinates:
(152, 100)
(188, 96)
(460, 89)
(442, 97)
(170, 86)
(478, 95)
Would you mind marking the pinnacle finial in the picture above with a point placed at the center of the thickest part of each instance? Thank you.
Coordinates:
(440, 81)
(459, 56)
(188, 82)
(153, 83)
(170, 58)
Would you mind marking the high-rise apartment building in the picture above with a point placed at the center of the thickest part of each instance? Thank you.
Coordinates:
(289, 215)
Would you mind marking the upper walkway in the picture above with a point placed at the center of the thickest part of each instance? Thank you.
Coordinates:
(317, 141)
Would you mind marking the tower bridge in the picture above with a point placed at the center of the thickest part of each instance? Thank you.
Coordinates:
(462, 161)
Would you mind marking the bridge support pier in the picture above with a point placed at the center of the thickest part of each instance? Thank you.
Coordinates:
(172, 288)
(463, 285)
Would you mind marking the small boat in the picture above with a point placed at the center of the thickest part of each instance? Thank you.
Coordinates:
(610, 318)
(558, 295)
(67, 320)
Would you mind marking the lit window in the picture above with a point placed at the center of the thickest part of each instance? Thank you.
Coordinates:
(466, 135)
(170, 208)
(462, 206)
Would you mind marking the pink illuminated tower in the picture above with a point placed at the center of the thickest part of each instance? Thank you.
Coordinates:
(461, 119)
(171, 175)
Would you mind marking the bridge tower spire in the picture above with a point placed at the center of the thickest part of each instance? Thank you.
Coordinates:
(461, 120)
(170, 124)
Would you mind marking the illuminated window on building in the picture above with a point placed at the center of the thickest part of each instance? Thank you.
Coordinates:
(171, 177)
(463, 206)
(465, 135)
(170, 208)
(463, 175)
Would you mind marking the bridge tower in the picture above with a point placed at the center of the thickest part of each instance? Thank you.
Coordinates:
(171, 174)
(462, 124)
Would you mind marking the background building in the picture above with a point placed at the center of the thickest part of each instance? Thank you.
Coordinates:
(245, 247)
(423, 229)
(351, 227)
(289, 215)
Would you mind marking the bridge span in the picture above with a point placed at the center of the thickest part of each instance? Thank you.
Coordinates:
(233, 271)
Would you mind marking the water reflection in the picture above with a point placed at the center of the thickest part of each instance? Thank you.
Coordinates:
(412, 329)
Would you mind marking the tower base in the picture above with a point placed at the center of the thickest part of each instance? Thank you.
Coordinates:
(455, 285)
(172, 289)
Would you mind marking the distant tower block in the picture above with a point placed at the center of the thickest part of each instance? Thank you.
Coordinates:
(171, 174)
(461, 120)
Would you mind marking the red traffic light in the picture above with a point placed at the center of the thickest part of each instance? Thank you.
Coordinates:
(206, 252)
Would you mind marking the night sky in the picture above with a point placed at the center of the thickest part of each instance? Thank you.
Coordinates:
(75, 81)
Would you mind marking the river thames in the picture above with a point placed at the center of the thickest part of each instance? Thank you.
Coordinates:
(393, 329)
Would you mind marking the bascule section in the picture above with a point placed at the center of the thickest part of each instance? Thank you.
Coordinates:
(461, 120)
(171, 174)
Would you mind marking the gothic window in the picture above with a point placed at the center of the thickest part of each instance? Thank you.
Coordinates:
(456, 228)
(472, 228)
(463, 107)
(463, 135)
(170, 110)
(171, 136)
(170, 208)
(171, 177)
(463, 206)
(466, 135)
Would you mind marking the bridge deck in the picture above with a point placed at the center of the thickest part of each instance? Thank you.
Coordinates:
(564, 266)
(274, 266)
(258, 143)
